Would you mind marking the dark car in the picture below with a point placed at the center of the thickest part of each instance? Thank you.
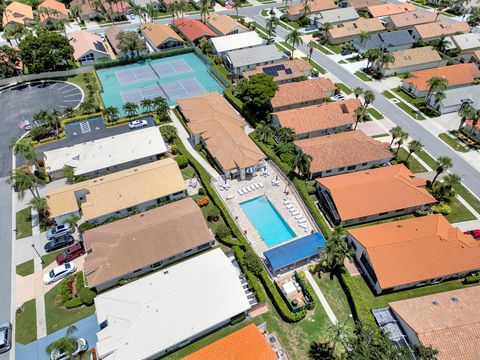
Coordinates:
(317, 34)
(70, 253)
(475, 233)
(346, 52)
(5, 337)
(59, 243)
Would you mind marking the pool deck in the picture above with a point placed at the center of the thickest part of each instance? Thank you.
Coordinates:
(274, 193)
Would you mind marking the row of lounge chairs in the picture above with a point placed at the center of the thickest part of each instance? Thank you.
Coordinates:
(301, 221)
(250, 188)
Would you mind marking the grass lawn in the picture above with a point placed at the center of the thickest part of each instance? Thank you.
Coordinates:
(26, 268)
(284, 25)
(468, 197)
(188, 172)
(362, 76)
(410, 111)
(323, 49)
(317, 67)
(344, 88)
(26, 323)
(388, 94)
(453, 143)
(264, 12)
(430, 161)
(380, 135)
(293, 24)
(404, 95)
(375, 113)
(287, 45)
(413, 164)
(459, 212)
(49, 258)
(335, 297)
(24, 223)
(342, 62)
(337, 49)
(58, 317)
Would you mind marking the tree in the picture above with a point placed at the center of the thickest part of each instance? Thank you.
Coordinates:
(257, 91)
(169, 133)
(204, 11)
(311, 45)
(139, 11)
(112, 114)
(69, 173)
(66, 344)
(321, 351)
(68, 112)
(368, 98)
(22, 180)
(40, 205)
(130, 108)
(160, 107)
(253, 262)
(130, 43)
(395, 133)
(305, 8)
(444, 163)
(364, 36)
(151, 11)
(237, 4)
(146, 104)
(384, 59)
(75, 10)
(53, 120)
(9, 61)
(212, 213)
(15, 31)
(434, 84)
(336, 251)
(360, 115)
(413, 146)
(271, 25)
(474, 117)
(441, 44)
(465, 112)
(372, 55)
(400, 140)
(424, 353)
(339, 334)
(294, 38)
(302, 162)
(357, 92)
(25, 148)
(439, 96)
(284, 134)
(263, 131)
(45, 51)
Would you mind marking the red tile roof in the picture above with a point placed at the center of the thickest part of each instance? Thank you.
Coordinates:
(193, 29)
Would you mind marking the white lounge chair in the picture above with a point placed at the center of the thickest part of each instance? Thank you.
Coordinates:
(293, 209)
(286, 202)
(260, 184)
(302, 221)
(230, 197)
(298, 217)
(295, 212)
(240, 192)
(249, 188)
(289, 206)
(245, 190)
(304, 226)
(256, 186)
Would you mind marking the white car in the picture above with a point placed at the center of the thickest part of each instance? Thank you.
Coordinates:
(59, 272)
(136, 124)
(60, 354)
(338, 97)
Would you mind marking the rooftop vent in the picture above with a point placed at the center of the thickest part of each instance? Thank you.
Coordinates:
(455, 299)
(435, 302)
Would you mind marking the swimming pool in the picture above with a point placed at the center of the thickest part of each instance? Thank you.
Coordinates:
(267, 221)
(173, 78)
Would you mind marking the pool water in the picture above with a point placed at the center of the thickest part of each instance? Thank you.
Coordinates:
(267, 221)
(112, 88)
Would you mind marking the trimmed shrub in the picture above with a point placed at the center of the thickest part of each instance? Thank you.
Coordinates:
(203, 201)
(253, 262)
(182, 161)
(442, 208)
(174, 149)
(73, 303)
(201, 191)
(307, 289)
(85, 226)
(65, 289)
(222, 232)
(80, 284)
(213, 214)
(472, 279)
(87, 296)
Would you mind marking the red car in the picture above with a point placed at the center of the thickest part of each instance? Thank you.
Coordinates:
(475, 233)
(71, 253)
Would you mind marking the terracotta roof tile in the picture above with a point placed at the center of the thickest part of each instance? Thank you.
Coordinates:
(314, 5)
(298, 68)
(59, 10)
(353, 28)
(418, 249)
(118, 7)
(17, 13)
(410, 19)
(193, 29)
(439, 28)
(224, 23)
(302, 91)
(344, 149)
(85, 41)
(375, 191)
(158, 33)
(415, 56)
(388, 9)
(363, 4)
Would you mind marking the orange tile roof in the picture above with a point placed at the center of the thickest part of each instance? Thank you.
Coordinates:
(375, 191)
(363, 4)
(414, 56)
(193, 29)
(302, 91)
(59, 10)
(17, 13)
(299, 68)
(318, 117)
(314, 6)
(448, 321)
(388, 9)
(418, 249)
(356, 27)
(343, 149)
(412, 18)
(158, 33)
(224, 23)
(118, 7)
(85, 41)
(470, 123)
(439, 28)
(245, 344)
(459, 74)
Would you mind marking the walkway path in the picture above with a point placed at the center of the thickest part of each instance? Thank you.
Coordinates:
(321, 297)
(38, 283)
(184, 137)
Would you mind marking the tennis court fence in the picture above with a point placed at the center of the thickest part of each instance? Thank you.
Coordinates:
(214, 72)
(45, 75)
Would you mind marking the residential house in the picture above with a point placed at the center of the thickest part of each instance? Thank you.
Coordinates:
(243, 40)
(456, 98)
(117, 8)
(408, 20)
(348, 31)
(50, 10)
(317, 120)
(458, 75)
(361, 4)
(449, 322)
(160, 36)
(88, 47)
(217, 126)
(246, 343)
(433, 31)
(225, 25)
(303, 93)
(475, 133)
(17, 13)
(144, 242)
(335, 16)
(387, 41)
(193, 30)
(118, 194)
(295, 12)
(411, 60)
(162, 312)
(473, 57)
(238, 61)
(284, 71)
(414, 252)
(111, 34)
(344, 152)
(106, 155)
(389, 8)
(88, 9)
(371, 195)
(467, 43)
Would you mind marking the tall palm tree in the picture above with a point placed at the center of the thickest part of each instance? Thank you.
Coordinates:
(368, 98)
(357, 92)
(146, 104)
(294, 38)
(441, 44)
(285, 134)
(130, 108)
(112, 114)
(139, 11)
(360, 115)
(236, 5)
(465, 112)
(439, 96)
(54, 120)
(25, 148)
(339, 333)
(400, 140)
(311, 45)
(444, 163)
(336, 251)
(72, 221)
(160, 106)
(271, 25)
(22, 180)
(263, 131)
(434, 84)
(40, 205)
(326, 26)
(151, 10)
(364, 35)
(372, 55)
(384, 59)
(302, 162)
(395, 133)
(474, 117)
(204, 11)
(67, 344)
(413, 146)
(305, 7)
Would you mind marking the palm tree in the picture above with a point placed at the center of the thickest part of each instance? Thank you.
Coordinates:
(112, 114)
(339, 333)
(204, 11)
(271, 25)
(439, 96)
(368, 98)
(151, 10)
(263, 131)
(311, 45)
(336, 251)
(400, 140)
(285, 134)
(130, 108)
(372, 55)
(395, 133)
(22, 180)
(25, 148)
(360, 115)
(68, 112)
(294, 37)
(364, 35)
(146, 104)
(444, 163)
(384, 59)
(72, 221)
(160, 105)
(474, 118)
(302, 162)
(306, 7)
(326, 26)
(465, 112)
(139, 11)
(40, 205)
(441, 44)
(54, 120)
(413, 146)
(237, 4)
(434, 84)
(357, 92)
(67, 344)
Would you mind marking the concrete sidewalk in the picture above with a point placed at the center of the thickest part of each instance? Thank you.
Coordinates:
(321, 297)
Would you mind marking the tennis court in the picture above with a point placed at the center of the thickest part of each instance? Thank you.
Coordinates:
(135, 75)
(183, 88)
(136, 96)
(173, 67)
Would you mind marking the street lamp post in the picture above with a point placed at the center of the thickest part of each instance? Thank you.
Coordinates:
(34, 248)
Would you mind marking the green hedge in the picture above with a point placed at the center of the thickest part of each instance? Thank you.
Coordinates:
(256, 286)
(472, 279)
(360, 309)
(307, 289)
(73, 303)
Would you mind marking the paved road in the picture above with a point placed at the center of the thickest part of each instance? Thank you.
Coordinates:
(435, 146)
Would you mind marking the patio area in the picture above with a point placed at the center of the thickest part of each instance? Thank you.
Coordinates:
(271, 184)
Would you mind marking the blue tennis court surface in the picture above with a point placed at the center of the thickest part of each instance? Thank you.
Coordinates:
(173, 78)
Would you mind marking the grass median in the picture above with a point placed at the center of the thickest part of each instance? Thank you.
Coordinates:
(26, 323)
(24, 223)
(453, 143)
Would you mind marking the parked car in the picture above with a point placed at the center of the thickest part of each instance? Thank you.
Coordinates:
(59, 243)
(70, 253)
(136, 124)
(59, 272)
(59, 231)
(287, 52)
(346, 52)
(338, 96)
(5, 337)
(61, 354)
(475, 233)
